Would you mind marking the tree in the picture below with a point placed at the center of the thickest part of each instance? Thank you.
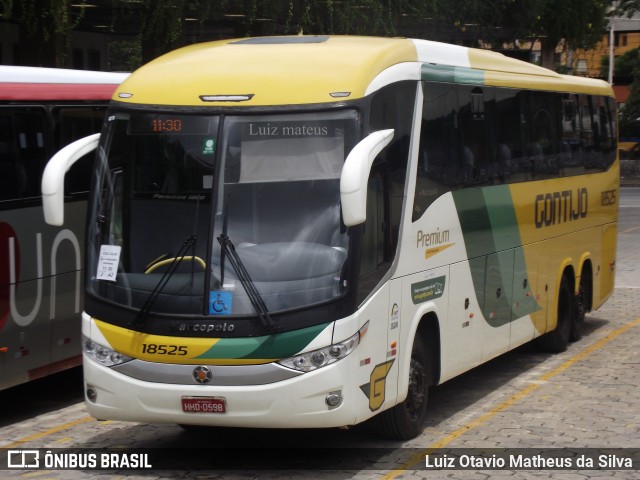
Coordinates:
(493, 23)
(629, 119)
(620, 8)
(163, 22)
(46, 27)
(278, 17)
(163, 25)
(626, 66)
(579, 23)
(487, 23)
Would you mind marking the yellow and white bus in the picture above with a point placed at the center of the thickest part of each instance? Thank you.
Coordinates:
(309, 231)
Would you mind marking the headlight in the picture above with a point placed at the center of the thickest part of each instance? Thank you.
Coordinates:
(103, 355)
(308, 361)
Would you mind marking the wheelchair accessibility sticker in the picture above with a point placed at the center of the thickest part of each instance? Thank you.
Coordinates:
(220, 302)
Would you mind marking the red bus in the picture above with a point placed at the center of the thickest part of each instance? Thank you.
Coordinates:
(41, 111)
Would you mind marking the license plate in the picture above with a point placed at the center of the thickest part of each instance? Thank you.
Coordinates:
(204, 405)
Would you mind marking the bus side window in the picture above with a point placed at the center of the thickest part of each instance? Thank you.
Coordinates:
(23, 152)
(474, 136)
(9, 186)
(612, 112)
(544, 141)
(391, 107)
(373, 245)
(607, 138)
(31, 142)
(438, 155)
(570, 143)
(588, 135)
(508, 120)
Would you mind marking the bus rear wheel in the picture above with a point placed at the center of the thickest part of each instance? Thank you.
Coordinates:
(583, 300)
(404, 421)
(557, 340)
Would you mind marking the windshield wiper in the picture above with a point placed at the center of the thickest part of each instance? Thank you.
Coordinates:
(229, 251)
(140, 318)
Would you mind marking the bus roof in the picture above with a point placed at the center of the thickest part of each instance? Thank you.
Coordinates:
(41, 84)
(295, 70)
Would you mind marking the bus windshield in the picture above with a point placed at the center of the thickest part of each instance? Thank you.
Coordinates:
(207, 215)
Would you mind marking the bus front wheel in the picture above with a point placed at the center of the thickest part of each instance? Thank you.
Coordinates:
(405, 421)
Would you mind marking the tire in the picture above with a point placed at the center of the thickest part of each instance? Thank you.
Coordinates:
(405, 420)
(557, 340)
(583, 301)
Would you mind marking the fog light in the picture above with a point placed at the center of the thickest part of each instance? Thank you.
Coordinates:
(334, 399)
(337, 350)
(300, 362)
(92, 394)
(318, 358)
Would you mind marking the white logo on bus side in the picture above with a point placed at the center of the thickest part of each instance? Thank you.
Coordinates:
(24, 320)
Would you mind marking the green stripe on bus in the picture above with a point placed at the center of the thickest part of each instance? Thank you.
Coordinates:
(449, 74)
(492, 240)
(279, 345)
(502, 217)
(475, 221)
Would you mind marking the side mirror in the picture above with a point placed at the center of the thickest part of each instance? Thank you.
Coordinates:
(53, 177)
(355, 176)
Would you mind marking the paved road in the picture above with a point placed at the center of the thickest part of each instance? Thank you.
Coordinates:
(628, 265)
(586, 397)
